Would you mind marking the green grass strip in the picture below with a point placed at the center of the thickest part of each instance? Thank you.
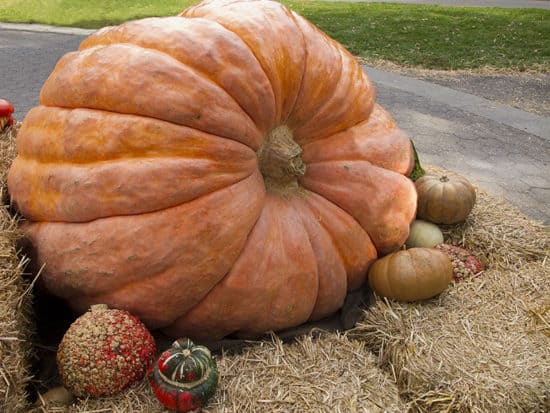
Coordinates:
(421, 36)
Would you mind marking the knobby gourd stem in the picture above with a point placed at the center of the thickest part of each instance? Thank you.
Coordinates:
(280, 161)
(98, 307)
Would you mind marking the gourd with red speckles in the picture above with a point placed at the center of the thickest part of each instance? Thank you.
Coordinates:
(465, 265)
(104, 351)
(184, 377)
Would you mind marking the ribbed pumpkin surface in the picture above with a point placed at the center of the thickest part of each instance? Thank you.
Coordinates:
(225, 170)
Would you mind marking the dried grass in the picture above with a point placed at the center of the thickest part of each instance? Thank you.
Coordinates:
(15, 304)
(482, 345)
(329, 373)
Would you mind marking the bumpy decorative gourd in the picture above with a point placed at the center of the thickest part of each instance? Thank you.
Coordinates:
(444, 199)
(222, 171)
(104, 351)
(411, 275)
(424, 234)
(465, 265)
(184, 377)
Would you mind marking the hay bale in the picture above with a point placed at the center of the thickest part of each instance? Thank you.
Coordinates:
(315, 374)
(329, 373)
(15, 305)
(484, 344)
(137, 399)
(481, 346)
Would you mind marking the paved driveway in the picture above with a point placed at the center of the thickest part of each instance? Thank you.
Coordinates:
(26, 60)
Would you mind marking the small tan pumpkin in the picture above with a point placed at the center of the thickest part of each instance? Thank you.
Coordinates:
(411, 275)
(444, 199)
(424, 234)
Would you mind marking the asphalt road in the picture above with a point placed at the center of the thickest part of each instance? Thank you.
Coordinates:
(26, 60)
(501, 149)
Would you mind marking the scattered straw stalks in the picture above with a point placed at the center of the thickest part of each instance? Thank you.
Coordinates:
(15, 304)
(484, 344)
(481, 346)
(329, 373)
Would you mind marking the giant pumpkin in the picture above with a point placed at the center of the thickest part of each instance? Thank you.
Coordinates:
(223, 171)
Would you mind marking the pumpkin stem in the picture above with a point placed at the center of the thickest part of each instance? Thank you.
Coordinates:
(444, 178)
(417, 171)
(280, 161)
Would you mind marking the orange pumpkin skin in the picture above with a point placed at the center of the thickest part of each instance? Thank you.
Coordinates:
(222, 171)
(411, 275)
(444, 199)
